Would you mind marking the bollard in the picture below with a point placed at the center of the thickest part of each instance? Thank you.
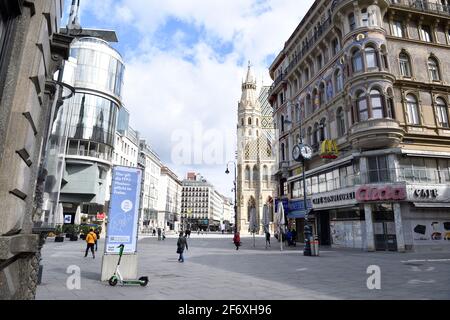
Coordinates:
(316, 246)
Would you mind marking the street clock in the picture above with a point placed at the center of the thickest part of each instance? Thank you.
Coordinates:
(302, 152)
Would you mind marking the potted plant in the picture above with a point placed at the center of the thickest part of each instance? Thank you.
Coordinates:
(59, 236)
(75, 233)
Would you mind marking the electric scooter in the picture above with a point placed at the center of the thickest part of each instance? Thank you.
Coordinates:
(117, 277)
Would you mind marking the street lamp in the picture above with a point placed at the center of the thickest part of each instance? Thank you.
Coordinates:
(235, 195)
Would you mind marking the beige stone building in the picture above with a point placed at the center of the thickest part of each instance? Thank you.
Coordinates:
(366, 84)
(256, 159)
(31, 51)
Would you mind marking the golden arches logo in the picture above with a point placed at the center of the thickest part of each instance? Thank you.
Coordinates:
(329, 149)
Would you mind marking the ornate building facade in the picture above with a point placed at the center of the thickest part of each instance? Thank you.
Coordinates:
(256, 159)
(366, 84)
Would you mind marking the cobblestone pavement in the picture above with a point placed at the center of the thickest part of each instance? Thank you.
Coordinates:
(215, 270)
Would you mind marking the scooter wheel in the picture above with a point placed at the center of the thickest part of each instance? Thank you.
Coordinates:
(113, 281)
(144, 281)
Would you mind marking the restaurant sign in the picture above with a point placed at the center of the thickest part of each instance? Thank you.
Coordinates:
(381, 193)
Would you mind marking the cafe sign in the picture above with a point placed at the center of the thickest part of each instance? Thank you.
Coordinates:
(429, 193)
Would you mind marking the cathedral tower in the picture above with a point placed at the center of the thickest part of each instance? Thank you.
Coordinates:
(255, 155)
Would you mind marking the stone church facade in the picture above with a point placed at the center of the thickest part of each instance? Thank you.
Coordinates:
(256, 156)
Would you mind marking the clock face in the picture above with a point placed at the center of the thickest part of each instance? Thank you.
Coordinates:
(297, 153)
(306, 152)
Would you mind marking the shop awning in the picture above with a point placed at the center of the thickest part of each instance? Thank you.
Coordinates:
(431, 205)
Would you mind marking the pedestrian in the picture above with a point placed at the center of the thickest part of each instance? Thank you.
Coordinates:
(267, 238)
(237, 240)
(164, 234)
(159, 233)
(91, 238)
(181, 245)
(188, 233)
(97, 233)
(154, 232)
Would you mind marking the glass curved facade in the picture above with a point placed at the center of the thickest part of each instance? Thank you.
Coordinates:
(90, 117)
(99, 66)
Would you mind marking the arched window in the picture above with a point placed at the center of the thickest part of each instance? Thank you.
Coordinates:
(357, 61)
(377, 104)
(322, 99)
(371, 57)
(323, 130)
(255, 174)
(413, 109)
(351, 21)
(308, 105)
(310, 138)
(283, 154)
(242, 121)
(266, 175)
(405, 65)
(297, 112)
(442, 112)
(340, 122)
(247, 173)
(316, 135)
(316, 98)
(257, 122)
(282, 123)
(306, 75)
(249, 121)
(338, 81)
(433, 68)
(363, 112)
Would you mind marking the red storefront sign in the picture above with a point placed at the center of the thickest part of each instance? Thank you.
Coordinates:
(382, 193)
(100, 216)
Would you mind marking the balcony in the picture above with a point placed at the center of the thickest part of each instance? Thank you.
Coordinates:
(376, 133)
(423, 6)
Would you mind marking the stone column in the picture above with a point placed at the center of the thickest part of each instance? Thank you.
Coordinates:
(369, 228)
(399, 228)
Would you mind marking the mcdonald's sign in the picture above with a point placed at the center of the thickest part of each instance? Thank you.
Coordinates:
(329, 149)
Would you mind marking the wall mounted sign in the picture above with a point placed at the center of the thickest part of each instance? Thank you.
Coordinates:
(426, 193)
(334, 198)
(381, 193)
(329, 150)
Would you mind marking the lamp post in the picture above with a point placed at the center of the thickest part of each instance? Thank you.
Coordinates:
(235, 195)
(302, 152)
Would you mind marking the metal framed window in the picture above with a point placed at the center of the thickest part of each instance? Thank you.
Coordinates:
(405, 65)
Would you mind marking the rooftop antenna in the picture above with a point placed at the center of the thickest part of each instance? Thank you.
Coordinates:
(73, 26)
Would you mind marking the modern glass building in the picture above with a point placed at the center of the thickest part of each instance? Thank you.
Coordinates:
(89, 121)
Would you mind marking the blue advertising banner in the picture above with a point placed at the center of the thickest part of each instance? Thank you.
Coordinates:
(123, 215)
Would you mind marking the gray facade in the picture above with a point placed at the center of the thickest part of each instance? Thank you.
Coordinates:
(31, 51)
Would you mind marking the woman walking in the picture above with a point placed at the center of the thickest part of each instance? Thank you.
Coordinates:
(181, 244)
(237, 240)
(267, 238)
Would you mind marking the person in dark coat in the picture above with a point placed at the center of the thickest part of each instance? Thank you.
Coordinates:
(97, 233)
(181, 245)
(267, 238)
(237, 240)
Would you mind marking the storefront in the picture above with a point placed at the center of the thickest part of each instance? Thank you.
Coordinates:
(426, 217)
(337, 218)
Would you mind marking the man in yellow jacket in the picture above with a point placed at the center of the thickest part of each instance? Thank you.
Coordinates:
(91, 238)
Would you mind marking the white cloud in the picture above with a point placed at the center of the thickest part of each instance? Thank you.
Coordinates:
(172, 88)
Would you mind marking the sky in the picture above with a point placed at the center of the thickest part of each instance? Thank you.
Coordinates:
(185, 61)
